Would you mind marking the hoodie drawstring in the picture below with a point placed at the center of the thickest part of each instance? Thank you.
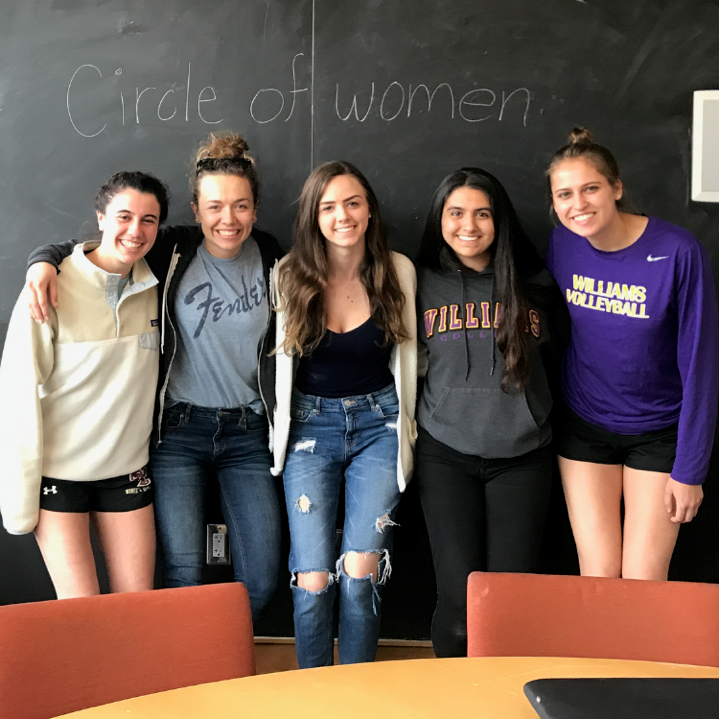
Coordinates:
(493, 311)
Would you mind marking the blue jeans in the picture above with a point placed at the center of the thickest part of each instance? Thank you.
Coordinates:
(231, 444)
(354, 438)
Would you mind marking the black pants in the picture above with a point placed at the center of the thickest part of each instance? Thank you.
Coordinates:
(481, 514)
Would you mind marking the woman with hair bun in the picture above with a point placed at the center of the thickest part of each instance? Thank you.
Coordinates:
(346, 378)
(216, 388)
(640, 378)
(490, 337)
(79, 393)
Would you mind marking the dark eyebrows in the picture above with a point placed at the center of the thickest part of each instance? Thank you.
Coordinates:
(333, 202)
(129, 212)
(476, 209)
(216, 202)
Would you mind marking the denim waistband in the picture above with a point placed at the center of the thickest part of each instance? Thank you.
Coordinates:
(342, 404)
(189, 410)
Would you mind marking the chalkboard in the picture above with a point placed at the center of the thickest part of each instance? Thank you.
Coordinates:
(406, 89)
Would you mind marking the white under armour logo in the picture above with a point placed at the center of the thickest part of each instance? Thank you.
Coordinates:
(654, 259)
(49, 490)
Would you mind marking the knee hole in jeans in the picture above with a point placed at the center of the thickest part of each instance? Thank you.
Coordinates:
(313, 581)
(358, 565)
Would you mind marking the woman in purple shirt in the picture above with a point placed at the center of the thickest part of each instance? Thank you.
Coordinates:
(640, 377)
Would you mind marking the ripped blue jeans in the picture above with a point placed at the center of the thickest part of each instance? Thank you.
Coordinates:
(352, 439)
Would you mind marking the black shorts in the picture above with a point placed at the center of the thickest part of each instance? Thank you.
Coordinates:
(116, 494)
(586, 442)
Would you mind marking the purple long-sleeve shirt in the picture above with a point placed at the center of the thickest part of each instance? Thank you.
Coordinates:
(644, 352)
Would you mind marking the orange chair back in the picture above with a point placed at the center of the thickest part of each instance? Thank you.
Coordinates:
(592, 617)
(62, 656)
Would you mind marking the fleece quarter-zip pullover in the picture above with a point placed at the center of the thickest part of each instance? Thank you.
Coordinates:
(78, 391)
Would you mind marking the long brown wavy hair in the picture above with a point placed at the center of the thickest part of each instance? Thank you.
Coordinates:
(304, 274)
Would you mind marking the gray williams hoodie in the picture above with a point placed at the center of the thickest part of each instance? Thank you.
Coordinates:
(462, 403)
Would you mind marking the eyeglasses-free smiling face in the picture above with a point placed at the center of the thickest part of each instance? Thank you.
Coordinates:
(343, 212)
(129, 227)
(226, 212)
(468, 226)
(583, 198)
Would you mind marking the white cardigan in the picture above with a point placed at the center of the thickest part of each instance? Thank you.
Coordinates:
(403, 365)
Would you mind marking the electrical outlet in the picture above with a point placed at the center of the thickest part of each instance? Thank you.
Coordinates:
(218, 544)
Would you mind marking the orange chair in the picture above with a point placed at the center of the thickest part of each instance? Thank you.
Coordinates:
(592, 617)
(62, 656)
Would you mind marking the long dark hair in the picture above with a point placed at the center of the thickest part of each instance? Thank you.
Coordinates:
(303, 276)
(513, 257)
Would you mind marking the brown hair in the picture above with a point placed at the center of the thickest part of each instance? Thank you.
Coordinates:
(303, 276)
(224, 153)
(581, 144)
(133, 180)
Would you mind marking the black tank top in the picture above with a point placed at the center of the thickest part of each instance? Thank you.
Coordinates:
(347, 364)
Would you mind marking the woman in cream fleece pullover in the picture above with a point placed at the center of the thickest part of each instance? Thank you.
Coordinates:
(82, 387)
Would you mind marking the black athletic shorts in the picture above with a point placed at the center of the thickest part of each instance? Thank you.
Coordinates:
(116, 494)
(586, 442)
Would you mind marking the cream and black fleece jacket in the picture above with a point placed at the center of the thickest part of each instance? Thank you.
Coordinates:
(77, 391)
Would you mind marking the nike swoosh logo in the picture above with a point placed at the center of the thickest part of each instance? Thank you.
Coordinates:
(655, 259)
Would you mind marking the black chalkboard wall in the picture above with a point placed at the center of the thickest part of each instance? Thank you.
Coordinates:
(406, 89)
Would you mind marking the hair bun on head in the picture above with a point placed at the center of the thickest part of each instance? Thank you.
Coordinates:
(223, 145)
(581, 136)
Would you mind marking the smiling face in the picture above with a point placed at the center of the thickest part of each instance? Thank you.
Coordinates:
(468, 227)
(226, 212)
(129, 227)
(343, 212)
(584, 200)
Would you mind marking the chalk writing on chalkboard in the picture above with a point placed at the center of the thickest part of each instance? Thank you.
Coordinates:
(279, 96)
(471, 106)
(268, 103)
(165, 108)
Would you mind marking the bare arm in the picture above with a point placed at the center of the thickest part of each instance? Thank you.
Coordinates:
(41, 290)
(41, 278)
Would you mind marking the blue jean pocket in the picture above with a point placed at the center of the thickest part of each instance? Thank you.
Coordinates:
(172, 418)
(301, 414)
(386, 403)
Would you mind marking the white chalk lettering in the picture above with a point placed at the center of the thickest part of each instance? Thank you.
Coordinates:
(262, 113)
(505, 100)
(257, 95)
(353, 107)
(200, 100)
(137, 101)
(157, 101)
(384, 97)
(484, 98)
(69, 112)
(430, 98)
(467, 99)
(294, 91)
(159, 105)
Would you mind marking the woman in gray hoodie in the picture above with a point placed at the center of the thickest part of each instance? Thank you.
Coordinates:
(486, 309)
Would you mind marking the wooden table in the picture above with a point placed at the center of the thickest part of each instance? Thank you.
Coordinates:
(485, 688)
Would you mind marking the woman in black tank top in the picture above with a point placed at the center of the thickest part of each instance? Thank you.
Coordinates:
(346, 332)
